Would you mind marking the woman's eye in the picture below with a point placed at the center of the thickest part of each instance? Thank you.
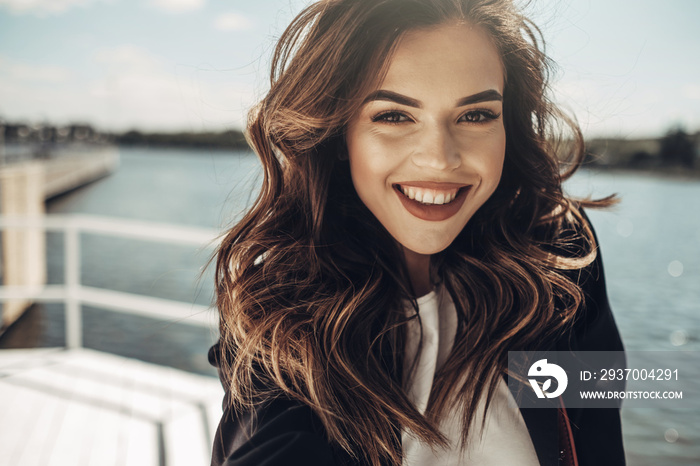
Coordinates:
(479, 116)
(391, 117)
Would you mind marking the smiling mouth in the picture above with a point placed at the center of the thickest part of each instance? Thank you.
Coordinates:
(433, 202)
(430, 196)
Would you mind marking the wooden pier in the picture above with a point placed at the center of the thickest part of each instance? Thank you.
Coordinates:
(83, 408)
(24, 187)
(75, 406)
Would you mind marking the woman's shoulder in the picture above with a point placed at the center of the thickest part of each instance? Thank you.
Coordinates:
(594, 327)
(277, 431)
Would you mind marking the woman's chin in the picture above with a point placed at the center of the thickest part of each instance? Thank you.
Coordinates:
(424, 248)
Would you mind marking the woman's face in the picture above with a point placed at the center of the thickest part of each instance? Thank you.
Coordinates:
(426, 149)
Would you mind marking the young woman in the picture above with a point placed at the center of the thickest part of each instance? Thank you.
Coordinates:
(410, 231)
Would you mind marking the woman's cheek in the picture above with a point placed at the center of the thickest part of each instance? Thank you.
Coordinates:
(373, 155)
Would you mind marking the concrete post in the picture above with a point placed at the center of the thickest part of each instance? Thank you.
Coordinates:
(23, 250)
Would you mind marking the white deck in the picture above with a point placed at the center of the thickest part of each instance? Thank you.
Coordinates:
(83, 407)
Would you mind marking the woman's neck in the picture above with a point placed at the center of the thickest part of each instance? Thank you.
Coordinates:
(419, 272)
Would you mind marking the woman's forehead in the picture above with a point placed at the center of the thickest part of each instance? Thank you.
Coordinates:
(457, 56)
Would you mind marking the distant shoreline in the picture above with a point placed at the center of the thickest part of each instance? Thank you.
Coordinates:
(232, 139)
(668, 172)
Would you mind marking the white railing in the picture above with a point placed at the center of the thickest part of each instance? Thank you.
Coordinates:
(73, 294)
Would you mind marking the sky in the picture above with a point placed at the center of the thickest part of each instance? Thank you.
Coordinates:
(625, 68)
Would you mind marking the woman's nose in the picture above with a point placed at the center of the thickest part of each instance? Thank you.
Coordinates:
(437, 150)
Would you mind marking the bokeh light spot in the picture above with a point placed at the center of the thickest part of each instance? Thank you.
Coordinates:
(625, 228)
(675, 268)
(679, 337)
(671, 435)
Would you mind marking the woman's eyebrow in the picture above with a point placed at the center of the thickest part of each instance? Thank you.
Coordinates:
(484, 96)
(393, 97)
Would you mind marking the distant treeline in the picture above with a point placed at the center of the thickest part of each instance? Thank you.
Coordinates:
(48, 134)
(676, 148)
(231, 139)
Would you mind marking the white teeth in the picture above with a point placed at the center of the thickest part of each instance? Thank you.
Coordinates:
(429, 196)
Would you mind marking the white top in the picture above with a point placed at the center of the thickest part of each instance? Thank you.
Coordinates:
(505, 438)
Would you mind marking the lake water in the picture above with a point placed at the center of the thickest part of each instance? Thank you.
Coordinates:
(650, 245)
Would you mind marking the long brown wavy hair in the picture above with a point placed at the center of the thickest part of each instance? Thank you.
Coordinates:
(311, 288)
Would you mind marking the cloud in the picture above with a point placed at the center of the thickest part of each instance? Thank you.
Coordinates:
(19, 71)
(233, 22)
(128, 57)
(691, 91)
(43, 7)
(40, 73)
(137, 86)
(178, 6)
(49, 7)
(608, 106)
(129, 88)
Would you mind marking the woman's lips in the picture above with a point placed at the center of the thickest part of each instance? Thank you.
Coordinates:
(432, 212)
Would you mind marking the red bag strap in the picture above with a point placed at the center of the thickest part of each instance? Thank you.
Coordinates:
(567, 449)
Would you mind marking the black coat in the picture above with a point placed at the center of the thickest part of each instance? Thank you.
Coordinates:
(287, 433)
